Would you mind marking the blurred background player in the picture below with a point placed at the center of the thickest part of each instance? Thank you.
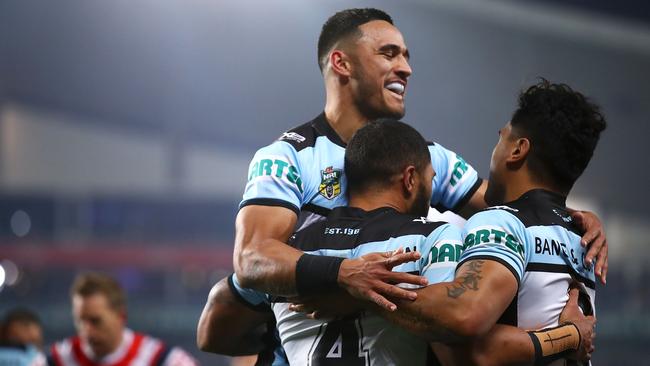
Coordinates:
(22, 326)
(21, 338)
(99, 313)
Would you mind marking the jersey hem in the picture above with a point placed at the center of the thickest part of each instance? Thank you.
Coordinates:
(496, 259)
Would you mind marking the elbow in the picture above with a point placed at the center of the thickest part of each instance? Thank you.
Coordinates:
(204, 344)
(205, 341)
(210, 334)
(214, 338)
(218, 345)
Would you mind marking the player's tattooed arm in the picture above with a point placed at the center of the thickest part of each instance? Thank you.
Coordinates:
(464, 308)
(469, 281)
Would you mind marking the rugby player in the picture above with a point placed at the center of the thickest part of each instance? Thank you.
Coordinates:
(99, 312)
(21, 338)
(521, 256)
(299, 178)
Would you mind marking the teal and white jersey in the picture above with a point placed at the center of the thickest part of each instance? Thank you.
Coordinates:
(536, 239)
(21, 355)
(303, 171)
(364, 338)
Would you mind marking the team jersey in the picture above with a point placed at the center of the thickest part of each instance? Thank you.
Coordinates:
(536, 239)
(303, 171)
(364, 338)
(135, 350)
(21, 355)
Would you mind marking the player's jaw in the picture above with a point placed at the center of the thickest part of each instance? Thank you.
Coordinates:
(383, 98)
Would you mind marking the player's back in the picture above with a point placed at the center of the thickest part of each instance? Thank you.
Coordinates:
(365, 338)
(536, 239)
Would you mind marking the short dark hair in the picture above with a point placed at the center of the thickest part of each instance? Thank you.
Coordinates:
(563, 127)
(343, 24)
(91, 283)
(18, 315)
(381, 149)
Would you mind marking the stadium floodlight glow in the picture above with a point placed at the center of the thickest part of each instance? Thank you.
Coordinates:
(11, 272)
(2, 277)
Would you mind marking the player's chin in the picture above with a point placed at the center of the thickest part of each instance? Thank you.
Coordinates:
(395, 110)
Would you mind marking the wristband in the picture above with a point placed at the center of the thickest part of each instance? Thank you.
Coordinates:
(554, 343)
(317, 273)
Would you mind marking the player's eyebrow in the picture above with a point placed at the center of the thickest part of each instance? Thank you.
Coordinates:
(395, 49)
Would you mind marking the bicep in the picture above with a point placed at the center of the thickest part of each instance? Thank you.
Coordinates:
(486, 287)
(257, 223)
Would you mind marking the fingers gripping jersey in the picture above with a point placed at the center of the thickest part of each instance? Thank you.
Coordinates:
(366, 338)
(303, 171)
(534, 237)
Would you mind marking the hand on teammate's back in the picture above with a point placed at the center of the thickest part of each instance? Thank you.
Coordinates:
(371, 278)
(594, 237)
(585, 324)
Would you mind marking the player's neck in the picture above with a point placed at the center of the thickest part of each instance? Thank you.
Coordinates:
(518, 184)
(374, 199)
(343, 117)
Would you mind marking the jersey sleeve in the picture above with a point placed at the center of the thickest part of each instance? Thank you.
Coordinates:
(496, 234)
(256, 300)
(440, 254)
(274, 178)
(455, 181)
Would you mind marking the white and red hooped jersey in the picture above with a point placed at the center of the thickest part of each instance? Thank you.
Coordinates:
(136, 349)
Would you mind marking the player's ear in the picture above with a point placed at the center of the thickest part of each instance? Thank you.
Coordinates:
(340, 63)
(409, 179)
(519, 151)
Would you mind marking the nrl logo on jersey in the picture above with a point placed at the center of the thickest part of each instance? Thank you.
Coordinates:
(292, 136)
(330, 183)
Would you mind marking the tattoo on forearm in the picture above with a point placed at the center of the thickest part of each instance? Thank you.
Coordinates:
(468, 281)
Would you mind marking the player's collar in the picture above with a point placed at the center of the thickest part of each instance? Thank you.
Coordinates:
(355, 212)
(539, 194)
(323, 127)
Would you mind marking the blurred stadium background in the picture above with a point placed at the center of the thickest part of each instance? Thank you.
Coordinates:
(126, 129)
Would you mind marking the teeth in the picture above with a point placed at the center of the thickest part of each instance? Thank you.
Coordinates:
(395, 87)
